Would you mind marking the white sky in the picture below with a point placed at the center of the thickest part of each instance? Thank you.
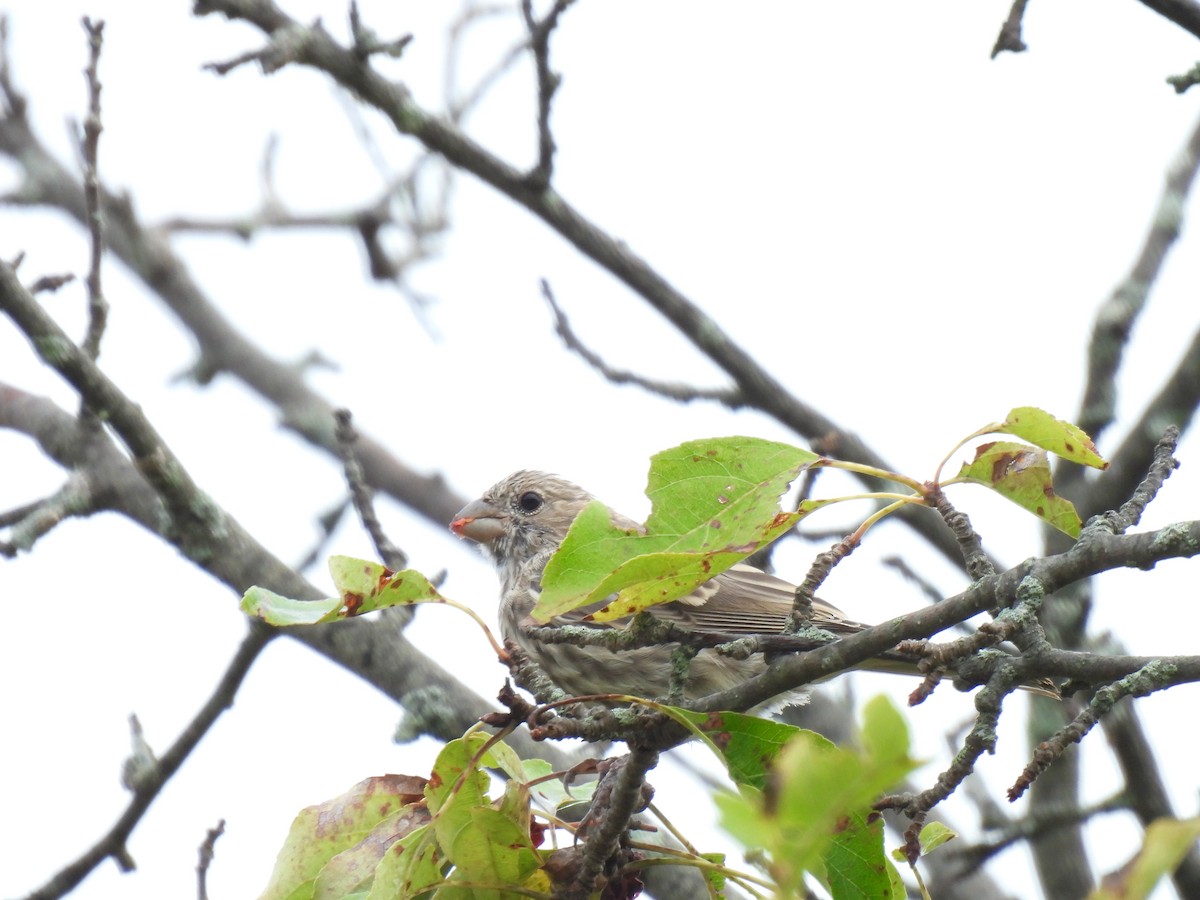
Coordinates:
(912, 236)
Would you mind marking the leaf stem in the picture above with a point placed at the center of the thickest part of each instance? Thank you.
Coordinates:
(873, 471)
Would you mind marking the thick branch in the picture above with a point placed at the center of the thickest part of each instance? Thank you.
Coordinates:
(1118, 314)
(1098, 553)
(1184, 13)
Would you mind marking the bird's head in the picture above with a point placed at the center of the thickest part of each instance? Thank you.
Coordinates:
(521, 516)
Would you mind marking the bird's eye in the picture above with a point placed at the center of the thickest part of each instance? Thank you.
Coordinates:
(530, 502)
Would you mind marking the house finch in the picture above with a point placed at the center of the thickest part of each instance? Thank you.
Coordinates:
(521, 520)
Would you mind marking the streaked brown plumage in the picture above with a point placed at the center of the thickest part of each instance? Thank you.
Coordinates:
(521, 520)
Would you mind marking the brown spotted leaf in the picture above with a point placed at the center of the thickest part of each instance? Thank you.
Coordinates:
(1061, 438)
(1022, 474)
(363, 586)
(321, 833)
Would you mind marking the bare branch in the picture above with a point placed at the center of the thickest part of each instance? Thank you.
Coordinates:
(291, 43)
(207, 852)
(1117, 316)
(1009, 39)
(671, 390)
(391, 555)
(547, 82)
(97, 305)
(1184, 13)
(113, 843)
(1152, 677)
(223, 348)
(622, 793)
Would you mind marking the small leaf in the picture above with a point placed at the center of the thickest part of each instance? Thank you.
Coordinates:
(552, 794)
(493, 850)
(363, 587)
(503, 757)
(1022, 474)
(934, 834)
(1061, 438)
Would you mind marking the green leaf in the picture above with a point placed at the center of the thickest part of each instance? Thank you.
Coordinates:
(1022, 474)
(1163, 848)
(812, 785)
(321, 832)
(934, 834)
(456, 787)
(493, 850)
(275, 609)
(811, 793)
(410, 869)
(742, 816)
(714, 503)
(856, 867)
(1061, 438)
(747, 745)
(714, 876)
(363, 587)
(884, 733)
(503, 757)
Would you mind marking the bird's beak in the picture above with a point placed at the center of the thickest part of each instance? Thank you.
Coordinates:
(479, 521)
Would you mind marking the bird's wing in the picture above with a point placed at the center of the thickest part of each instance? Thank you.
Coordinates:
(747, 600)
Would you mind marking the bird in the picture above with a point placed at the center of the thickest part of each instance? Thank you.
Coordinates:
(520, 521)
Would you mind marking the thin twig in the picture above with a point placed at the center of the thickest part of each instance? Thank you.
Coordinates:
(207, 852)
(1009, 39)
(92, 126)
(113, 843)
(547, 81)
(1153, 677)
(672, 390)
(362, 495)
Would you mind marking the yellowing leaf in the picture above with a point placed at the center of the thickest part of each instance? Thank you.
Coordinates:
(1022, 474)
(1165, 844)
(319, 833)
(363, 587)
(1061, 438)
